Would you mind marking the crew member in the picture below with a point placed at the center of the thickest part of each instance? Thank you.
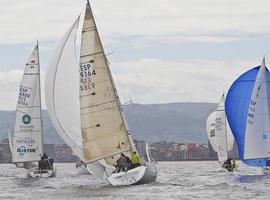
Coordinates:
(135, 159)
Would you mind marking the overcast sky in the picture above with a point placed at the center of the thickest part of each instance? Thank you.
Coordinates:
(163, 50)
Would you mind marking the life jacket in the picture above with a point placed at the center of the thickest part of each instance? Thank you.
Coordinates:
(135, 159)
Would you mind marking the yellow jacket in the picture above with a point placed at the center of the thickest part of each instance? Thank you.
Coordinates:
(135, 159)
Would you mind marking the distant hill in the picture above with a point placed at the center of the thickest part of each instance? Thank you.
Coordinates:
(179, 122)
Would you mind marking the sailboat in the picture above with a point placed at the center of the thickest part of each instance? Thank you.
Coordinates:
(85, 109)
(27, 142)
(247, 109)
(219, 133)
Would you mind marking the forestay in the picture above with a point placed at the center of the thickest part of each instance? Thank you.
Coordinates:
(257, 136)
(104, 130)
(27, 142)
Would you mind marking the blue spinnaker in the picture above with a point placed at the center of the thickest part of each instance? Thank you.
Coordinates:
(236, 107)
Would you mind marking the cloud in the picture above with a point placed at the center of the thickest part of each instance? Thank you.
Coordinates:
(154, 80)
(9, 87)
(10, 77)
(175, 20)
(157, 81)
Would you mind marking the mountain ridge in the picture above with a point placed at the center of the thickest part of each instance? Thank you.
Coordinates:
(172, 122)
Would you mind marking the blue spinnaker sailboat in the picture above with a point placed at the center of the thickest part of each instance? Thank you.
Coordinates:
(241, 114)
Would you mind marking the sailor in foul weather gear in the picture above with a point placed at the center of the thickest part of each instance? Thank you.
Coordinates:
(135, 159)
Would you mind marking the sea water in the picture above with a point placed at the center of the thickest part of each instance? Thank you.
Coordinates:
(176, 180)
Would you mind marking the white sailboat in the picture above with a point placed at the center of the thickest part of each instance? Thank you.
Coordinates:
(27, 142)
(85, 109)
(219, 132)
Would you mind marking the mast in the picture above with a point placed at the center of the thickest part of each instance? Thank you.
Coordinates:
(41, 119)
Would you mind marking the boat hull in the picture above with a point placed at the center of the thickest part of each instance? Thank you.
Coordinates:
(139, 175)
(83, 171)
(38, 174)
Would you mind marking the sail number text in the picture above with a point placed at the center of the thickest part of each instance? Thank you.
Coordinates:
(251, 112)
(23, 96)
(86, 73)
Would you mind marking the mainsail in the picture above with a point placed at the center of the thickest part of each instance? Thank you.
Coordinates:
(257, 137)
(104, 130)
(27, 144)
(221, 131)
(237, 108)
(210, 128)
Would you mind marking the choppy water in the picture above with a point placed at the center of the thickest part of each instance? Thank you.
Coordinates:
(176, 180)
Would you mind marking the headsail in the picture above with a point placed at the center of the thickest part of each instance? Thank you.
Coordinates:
(27, 142)
(257, 137)
(62, 93)
(104, 130)
(237, 106)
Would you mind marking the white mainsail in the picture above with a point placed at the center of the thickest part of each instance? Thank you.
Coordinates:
(257, 135)
(104, 130)
(27, 143)
(221, 131)
(210, 128)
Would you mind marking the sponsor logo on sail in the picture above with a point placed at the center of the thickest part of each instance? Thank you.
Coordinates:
(26, 119)
(264, 136)
(27, 141)
(22, 150)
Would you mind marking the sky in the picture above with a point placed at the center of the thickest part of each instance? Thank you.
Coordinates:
(161, 51)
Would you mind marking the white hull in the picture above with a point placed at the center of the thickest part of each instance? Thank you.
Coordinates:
(139, 175)
(83, 171)
(38, 174)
